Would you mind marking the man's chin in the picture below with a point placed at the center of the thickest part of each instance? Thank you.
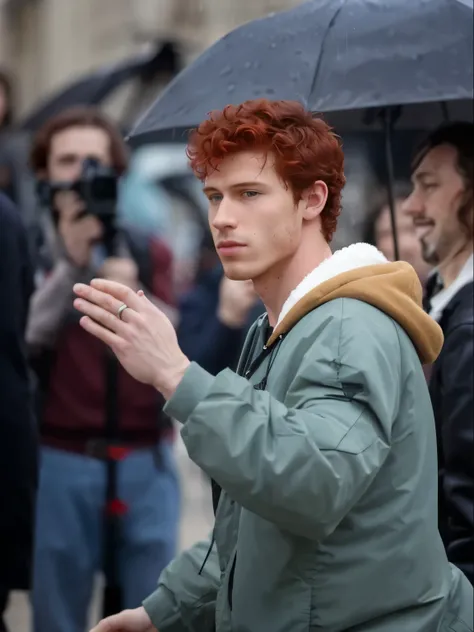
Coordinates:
(237, 272)
(429, 254)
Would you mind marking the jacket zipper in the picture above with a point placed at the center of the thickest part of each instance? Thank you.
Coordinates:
(247, 372)
(261, 386)
(215, 487)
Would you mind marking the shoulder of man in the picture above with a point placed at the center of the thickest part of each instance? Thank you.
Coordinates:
(460, 309)
(346, 315)
(345, 336)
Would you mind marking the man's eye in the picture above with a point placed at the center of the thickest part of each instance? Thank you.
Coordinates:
(215, 199)
(250, 194)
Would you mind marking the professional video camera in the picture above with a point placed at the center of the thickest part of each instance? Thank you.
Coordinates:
(97, 186)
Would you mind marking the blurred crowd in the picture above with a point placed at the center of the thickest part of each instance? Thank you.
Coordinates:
(140, 219)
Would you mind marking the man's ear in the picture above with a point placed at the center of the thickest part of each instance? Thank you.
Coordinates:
(314, 198)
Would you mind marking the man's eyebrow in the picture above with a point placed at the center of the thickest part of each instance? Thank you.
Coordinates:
(420, 175)
(238, 185)
(69, 155)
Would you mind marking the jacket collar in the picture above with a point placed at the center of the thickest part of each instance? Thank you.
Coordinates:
(350, 258)
(440, 301)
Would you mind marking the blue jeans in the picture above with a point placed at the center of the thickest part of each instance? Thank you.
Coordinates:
(69, 531)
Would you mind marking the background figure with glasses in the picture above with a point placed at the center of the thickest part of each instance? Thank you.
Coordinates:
(78, 158)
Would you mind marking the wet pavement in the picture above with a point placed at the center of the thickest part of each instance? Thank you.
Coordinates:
(196, 523)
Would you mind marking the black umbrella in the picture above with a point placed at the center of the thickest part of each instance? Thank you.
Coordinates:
(94, 88)
(340, 56)
(354, 59)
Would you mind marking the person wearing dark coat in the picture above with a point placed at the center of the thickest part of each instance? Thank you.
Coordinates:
(441, 205)
(18, 432)
(215, 316)
(451, 389)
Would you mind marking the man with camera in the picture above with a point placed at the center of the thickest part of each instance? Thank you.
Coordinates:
(108, 484)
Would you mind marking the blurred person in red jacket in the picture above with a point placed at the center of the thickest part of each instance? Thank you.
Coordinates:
(74, 394)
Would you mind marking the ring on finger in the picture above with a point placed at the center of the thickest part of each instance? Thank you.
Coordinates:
(121, 310)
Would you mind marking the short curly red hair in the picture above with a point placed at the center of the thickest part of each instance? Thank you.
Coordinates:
(305, 148)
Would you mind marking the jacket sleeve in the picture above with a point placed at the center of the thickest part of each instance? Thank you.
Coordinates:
(51, 302)
(185, 599)
(304, 463)
(458, 444)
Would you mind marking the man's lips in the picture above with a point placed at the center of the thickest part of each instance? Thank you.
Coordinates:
(229, 247)
(423, 228)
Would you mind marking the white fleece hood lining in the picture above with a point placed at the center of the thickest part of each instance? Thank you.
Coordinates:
(350, 258)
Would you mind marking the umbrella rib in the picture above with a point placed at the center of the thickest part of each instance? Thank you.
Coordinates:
(323, 43)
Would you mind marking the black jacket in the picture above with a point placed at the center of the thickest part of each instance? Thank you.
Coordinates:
(451, 388)
(202, 337)
(18, 433)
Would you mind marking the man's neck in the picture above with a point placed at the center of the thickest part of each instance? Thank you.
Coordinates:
(276, 285)
(451, 268)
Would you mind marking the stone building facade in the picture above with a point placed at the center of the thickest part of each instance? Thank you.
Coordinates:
(46, 43)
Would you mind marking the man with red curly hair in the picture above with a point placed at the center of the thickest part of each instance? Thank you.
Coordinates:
(322, 446)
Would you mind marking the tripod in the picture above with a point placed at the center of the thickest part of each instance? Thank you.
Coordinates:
(114, 507)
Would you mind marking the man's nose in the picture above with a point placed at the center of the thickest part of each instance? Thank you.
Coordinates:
(412, 205)
(225, 216)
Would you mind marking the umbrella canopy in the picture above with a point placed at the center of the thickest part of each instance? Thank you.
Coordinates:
(338, 56)
(95, 87)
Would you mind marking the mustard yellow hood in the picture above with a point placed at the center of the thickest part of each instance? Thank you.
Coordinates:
(394, 288)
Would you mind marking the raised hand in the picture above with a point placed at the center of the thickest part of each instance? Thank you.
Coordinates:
(140, 335)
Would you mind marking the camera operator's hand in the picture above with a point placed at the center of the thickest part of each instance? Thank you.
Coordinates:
(236, 299)
(78, 233)
(120, 270)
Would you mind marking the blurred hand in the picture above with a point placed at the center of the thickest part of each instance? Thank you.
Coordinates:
(236, 299)
(124, 271)
(78, 234)
(144, 340)
(127, 621)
